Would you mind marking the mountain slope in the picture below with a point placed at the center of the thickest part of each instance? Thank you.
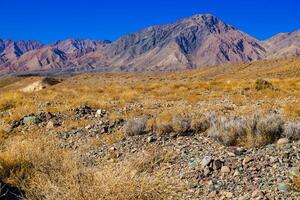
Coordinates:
(196, 41)
(192, 42)
(10, 49)
(57, 55)
(284, 44)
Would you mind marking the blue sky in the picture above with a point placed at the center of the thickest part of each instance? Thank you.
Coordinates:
(50, 20)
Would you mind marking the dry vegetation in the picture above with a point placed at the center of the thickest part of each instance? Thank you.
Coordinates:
(220, 102)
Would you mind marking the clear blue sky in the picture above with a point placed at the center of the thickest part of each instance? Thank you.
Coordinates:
(50, 20)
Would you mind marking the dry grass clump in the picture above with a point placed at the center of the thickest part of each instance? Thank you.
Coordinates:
(261, 84)
(136, 126)
(38, 167)
(163, 123)
(228, 130)
(255, 131)
(152, 158)
(179, 124)
(200, 124)
(292, 130)
(296, 182)
(123, 182)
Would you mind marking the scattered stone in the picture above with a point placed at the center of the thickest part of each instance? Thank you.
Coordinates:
(273, 160)
(192, 163)
(100, 113)
(8, 128)
(217, 164)
(206, 161)
(247, 160)
(293, 172)
(228, 195)
(84, 111)
(283, 141)
(236, 173)
(151, 139)
(283, 187)
(225, 170)
(31, 120)
(206, 171)
(255, 194)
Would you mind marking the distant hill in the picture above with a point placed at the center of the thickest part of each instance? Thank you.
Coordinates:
(197, 41)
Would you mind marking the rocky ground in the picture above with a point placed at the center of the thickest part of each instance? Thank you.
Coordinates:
(208, 169)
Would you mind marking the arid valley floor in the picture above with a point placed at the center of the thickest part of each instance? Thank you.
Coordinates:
(224, 132)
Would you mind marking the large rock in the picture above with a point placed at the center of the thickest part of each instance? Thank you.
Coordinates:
(39, 85)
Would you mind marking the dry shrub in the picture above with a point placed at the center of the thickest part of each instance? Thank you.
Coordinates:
(163, 123)
(200, 124)
(181, 124)
(136, 126)
(267, 129)
(40, 169)
(151, 158)
(43, 171)
(121, 182)
(292, 130)
(296, 182)
(255, 131)
(228, 130)
(261, 84)
(168, 122)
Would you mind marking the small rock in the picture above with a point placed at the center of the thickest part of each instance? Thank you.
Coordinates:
(225, 170)
(236, 173)
(150, 139)
(113, 148)
(283, 187)
(50, 125)
(293, 172)
(217, 164)
(255, 194)
(228, 195)
(247, 160)
(273, 160)
(8, 128)
(283, 141)
(212, 194)
(192, 163)
(239, 151)
(206, 161)
(99, 113)
(31, 120)
(206, 171)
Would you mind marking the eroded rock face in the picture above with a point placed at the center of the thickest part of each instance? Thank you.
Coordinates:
(191, 42)
(39, 85)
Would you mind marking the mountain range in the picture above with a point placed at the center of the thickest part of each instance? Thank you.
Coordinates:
(200, 40)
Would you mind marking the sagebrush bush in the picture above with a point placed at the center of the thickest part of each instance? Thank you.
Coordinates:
(292, 130)
(181, 125)
(267, 129)
(255, 131)
(261, 84)
(136, 126)
(228, 130)
(163, 123)
(200, 124)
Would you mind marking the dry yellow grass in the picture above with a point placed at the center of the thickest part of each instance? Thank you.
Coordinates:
(42, 170)
(34, 163)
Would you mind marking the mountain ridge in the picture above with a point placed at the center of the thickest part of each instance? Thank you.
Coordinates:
(196, 41)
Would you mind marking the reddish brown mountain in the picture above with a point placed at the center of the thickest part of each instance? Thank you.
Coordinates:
(284, 44)
(192, 42)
